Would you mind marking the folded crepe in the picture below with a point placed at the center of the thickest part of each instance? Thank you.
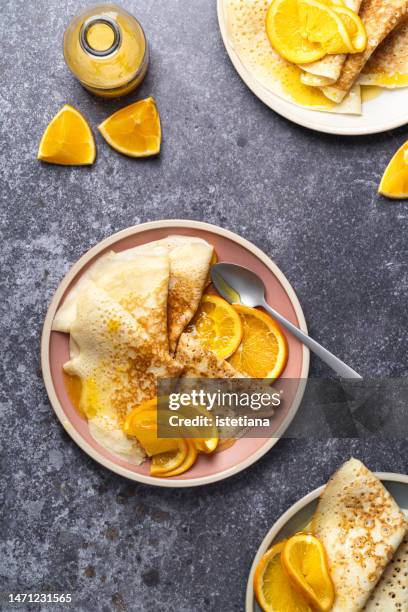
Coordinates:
(200, 362)
(190, 260)
(361, 527)
(246, 36)
(380, 17)
(391, 593)
(142, 279)
(117, 363)
(140, 286)
(327, 70)
(388, 66)
(184, 259)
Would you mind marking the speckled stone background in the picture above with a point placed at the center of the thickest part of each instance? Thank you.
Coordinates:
(307, 199)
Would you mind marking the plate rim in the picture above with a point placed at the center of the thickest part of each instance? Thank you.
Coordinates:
(286, 516)
(47, 329)
(284, 107)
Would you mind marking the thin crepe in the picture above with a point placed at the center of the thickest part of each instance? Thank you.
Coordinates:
(117, 364)
(380, 17)
(388, 66)
(190, 260)
(188, 264)
(391, 594)
(327, 70)
(245, 28)
(140, 286)
(361, 527)
(199, 362)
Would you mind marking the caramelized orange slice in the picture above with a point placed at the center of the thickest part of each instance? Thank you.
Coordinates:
(273, 589)
(170, 461)
(217, 326)
(304, 559)
(263, 351)
(188, 462)
(354, 27)
(142, 424)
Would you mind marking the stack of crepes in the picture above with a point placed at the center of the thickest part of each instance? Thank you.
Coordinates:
(333, 83)
(126, 316)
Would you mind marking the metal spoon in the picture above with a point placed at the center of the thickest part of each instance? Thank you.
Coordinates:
(237, 284)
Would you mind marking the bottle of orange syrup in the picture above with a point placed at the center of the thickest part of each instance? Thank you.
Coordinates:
(106, 49)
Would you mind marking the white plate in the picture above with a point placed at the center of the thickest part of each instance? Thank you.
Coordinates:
(386, 112)
(300, 514)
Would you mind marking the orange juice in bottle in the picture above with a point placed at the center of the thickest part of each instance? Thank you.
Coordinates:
(106, 49)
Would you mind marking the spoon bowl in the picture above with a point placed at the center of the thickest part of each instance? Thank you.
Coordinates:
(237, 284)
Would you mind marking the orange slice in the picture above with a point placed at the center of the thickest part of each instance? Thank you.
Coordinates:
(303, 31)
(394, 183)
(320, 24)
(304, 559)
(354, 27)
(353, 24)
(134, 130)
(217, 326)
(273, 589)
(208, 444)
(142, 424)
(167, 462)
(284, 32)
(204, 437)
(67, 140)
(263, 351)
(188, 462)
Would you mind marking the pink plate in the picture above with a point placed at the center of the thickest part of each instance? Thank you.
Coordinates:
(229, 247)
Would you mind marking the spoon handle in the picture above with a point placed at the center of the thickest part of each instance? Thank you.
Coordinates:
(334, 362)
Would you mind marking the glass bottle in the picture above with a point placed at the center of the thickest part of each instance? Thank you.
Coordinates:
(106, 49)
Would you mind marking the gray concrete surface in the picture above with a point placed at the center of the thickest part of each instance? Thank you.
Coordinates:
(309, 200)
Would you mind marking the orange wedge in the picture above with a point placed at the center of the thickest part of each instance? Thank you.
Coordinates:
(67, 140)
(188, 462)
(167, 462)
(217, 326)
(394, 183)
(134, 130)
(304, 559)
(273, 589)
(263, 351)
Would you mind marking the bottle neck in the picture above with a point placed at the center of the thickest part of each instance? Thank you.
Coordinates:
(100, 36)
